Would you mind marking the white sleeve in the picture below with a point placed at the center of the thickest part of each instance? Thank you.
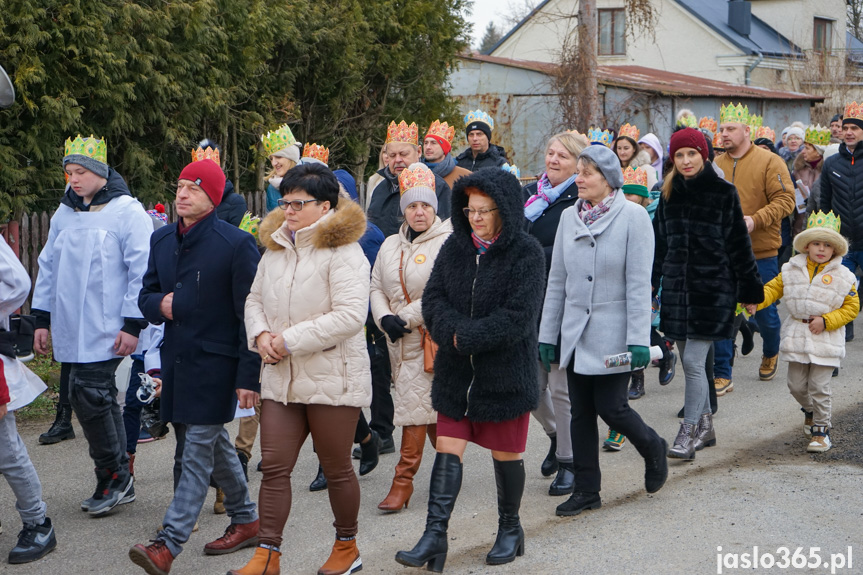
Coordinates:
(136, 252)
(14, 281)
(153, 355)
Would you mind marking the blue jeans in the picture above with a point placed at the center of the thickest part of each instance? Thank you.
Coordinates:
(18, 470)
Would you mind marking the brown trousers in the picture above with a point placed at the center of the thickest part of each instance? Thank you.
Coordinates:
(247, 433)
(284, 429)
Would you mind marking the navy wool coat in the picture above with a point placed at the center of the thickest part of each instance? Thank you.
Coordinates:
(205, 356)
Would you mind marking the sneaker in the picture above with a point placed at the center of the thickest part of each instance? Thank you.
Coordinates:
(820, 440)
(666, 369)
(116, 488)
(808, 422)
(34, 542)
(155, 558)
(636, 387)
(145, 437)
(768, 367)
(722, 386)
(128, 498)
(614, 441)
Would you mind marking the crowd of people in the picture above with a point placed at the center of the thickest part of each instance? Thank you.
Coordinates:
(453, 305)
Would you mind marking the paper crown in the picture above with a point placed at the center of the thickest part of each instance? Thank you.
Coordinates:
(629, 131)
(687, 121)
(278, 140)
(755, 122)
(634, 176)
(717, 141)
(707, 123)
(829, 221)
(250, 223)
(513, 169)
(208, 154)
(418, 177)
(817, 135)
(91, 147)
(595, 135)
(765, 132)
(478, 116)
(738, 114)
(402, 133)
(441, 130)
(316, 152)
(853, 111)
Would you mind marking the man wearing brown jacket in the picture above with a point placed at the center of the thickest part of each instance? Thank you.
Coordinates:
(437, 146)
(766, 196)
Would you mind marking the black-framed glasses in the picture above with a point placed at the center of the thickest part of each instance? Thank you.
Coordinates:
(469, 213)
(296, 205)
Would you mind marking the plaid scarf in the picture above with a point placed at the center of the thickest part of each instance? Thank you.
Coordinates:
(590, 213)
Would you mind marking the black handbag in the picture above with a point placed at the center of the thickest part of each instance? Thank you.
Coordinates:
(18, 340)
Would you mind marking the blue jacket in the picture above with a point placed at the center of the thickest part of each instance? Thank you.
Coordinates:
(205, 357)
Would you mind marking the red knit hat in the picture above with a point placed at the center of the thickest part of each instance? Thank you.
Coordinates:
(208, 175)
(688, 138)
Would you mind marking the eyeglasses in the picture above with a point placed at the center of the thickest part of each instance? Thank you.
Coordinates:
(296, 205)
(469, 213)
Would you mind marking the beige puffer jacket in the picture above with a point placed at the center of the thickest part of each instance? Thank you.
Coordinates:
(412, 398)
(315, 291)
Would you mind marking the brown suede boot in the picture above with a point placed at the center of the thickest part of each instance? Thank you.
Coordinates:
(265, 561)
(344, 559)
(413, 441)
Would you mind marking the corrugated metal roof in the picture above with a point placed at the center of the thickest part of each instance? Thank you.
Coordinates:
(657, 81)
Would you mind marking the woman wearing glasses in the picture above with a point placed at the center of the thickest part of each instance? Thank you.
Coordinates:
(305, 317)
(481, 306)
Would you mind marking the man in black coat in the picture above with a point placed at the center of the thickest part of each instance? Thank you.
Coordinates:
(481, 153)
(199, 274)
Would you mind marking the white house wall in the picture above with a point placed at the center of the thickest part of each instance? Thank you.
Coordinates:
(795, 19)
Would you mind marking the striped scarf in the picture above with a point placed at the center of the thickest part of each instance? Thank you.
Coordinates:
(481, 244)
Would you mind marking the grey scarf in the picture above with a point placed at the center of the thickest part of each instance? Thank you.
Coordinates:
(444, 167)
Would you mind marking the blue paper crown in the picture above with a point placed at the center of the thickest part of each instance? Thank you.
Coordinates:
(512, 170)
(478, 116)
(597, 136)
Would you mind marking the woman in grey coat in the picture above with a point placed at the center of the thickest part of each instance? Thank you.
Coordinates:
(598, 302)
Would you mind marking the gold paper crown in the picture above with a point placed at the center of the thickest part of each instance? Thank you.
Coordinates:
(818, 135)
(599, 136)
(755, 122)
(316, 152)
(278, 140)
(512, 169)
(717, 141)
(821, 220)
(766, 132)
(707, 123)
(629, 131)
(402, 133)
(91, 147)
(634, 176)
(208, 154)
(478, 116)
(738, 114)
(418, 177)
(687, 121)
(853, 111)
(441, 130)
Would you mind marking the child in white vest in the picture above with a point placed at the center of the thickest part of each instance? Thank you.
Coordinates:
(820, 296)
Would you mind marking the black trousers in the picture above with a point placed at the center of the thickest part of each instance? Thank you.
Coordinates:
(382, 409)
(605, 396)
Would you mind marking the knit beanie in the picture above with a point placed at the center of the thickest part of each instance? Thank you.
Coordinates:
(291, 153)
(208, 175)
(445, 146)
(836, 118)
(795, 131)
(688, 138)
(417, 184)
(91, 147)
(608, 164)
(478, 125)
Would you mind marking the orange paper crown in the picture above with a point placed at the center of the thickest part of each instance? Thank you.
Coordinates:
(717, 141)
(316, 152)
(418, 177)
(634, 176)
(629, 131)
(707, 123)
(403, 133)
(208, 154)
(853, 111)
(765, 132)
(441, 130)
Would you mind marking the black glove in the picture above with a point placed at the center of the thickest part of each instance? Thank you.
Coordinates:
(394, 326)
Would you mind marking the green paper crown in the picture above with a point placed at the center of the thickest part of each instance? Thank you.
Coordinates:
(738, 114)
(91, 147)
(688, 121)
(817, 135)
(755, 122)
(278, 140)
(821, 220)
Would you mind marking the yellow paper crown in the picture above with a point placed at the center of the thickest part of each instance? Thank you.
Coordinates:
(278, 140)
(634, 176)
(755, 122)
(250, 223)
(817, 135)
(418, 177)
(208, 154)
(91, 147)
(629, 131)
(766, 132)
(687, 121)
(828, 221)
(478, 116)
(599, 136)
(316, 152)
(512, 169)
(441, 130)
(853, 111)
(707, 123)
(403, 133)
(738, 114)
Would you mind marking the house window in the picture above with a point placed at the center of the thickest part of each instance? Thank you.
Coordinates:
(823, 41)
(612, 37)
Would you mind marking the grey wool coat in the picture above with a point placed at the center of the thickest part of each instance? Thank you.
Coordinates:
(598, 294)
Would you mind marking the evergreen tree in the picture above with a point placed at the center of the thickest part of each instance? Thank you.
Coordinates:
(491, 37)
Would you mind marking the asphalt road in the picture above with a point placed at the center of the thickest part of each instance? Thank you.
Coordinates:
(757, 487)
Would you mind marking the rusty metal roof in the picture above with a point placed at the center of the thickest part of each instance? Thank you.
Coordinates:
(657, 81)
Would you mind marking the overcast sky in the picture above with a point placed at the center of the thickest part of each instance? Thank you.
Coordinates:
(485, 11)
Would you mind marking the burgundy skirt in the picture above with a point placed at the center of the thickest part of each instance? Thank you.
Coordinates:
(509, 435)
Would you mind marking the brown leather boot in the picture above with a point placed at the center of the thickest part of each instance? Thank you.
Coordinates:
(413, 441)
(237, 536)
(264, 562)
(344, 559)
(219, 503)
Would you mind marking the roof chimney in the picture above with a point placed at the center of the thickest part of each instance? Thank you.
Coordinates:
(740, 16)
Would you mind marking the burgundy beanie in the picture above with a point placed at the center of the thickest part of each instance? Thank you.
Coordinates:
(688, 138)
(208, 175)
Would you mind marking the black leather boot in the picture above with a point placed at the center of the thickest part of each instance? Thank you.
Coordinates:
(445, 485)
(549, 464)
(61, 429)
(509, 544)
(370, 450)
(564, 483)
(320, 482)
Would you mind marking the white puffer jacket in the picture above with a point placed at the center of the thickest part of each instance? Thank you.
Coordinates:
(315, 292)
(412, 398)
(802, 298)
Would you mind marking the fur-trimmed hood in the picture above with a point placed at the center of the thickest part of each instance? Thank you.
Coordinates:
(345, 225)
